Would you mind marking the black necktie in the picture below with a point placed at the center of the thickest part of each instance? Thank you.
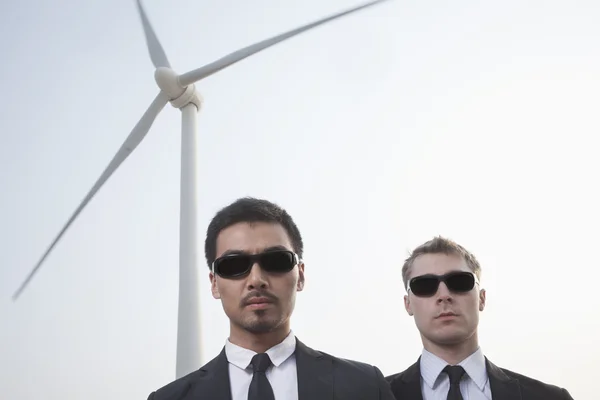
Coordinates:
(455, 373)
(260, 388)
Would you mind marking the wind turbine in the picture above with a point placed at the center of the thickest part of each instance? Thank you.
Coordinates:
(180, 91)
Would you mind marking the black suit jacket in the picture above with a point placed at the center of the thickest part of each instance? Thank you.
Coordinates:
(504, 384)
(320, 377)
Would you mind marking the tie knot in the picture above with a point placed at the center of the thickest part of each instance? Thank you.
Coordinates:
(260, 362)
(455, 373)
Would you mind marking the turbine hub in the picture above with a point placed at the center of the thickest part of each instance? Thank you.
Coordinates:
(180, 96)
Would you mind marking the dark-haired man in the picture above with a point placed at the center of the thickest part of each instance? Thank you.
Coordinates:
(444, 296)
(254, 250)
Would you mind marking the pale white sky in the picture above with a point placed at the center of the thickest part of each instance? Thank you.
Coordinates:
(475, 121)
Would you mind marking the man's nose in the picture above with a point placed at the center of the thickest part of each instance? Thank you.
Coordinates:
(443, 294)
(257, 278)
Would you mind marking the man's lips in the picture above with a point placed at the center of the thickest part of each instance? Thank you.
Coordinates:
(259, 303)
(447, 315)
(258, 300)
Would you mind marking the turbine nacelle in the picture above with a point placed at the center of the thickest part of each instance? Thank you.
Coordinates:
(179, 95)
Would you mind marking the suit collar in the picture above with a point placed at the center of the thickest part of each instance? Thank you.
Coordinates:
(314, 370)
(408, 386)
(503, 387)
(315, 377)
(212, 381)
(413, 373)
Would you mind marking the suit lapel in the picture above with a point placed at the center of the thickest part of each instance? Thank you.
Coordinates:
(212, 382)
(315, 376)
(408, 385)
(502, 386)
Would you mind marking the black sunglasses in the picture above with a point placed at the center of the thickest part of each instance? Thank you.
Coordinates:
(238, 265)
(427, 285)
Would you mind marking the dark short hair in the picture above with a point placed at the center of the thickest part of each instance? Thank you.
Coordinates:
(440, 245)
(249, 209)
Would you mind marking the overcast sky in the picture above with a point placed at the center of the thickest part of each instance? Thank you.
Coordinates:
(473, 120)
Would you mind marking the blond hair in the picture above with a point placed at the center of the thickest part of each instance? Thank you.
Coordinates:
(440, 245)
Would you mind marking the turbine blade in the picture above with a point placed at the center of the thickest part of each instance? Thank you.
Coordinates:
(207, 70)
(133, 140)
(157, 53)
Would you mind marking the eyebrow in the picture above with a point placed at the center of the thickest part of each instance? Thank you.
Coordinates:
(268, 249)
(231, 252)
(275, 248)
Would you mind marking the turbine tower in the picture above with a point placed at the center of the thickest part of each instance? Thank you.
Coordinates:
(179, 90)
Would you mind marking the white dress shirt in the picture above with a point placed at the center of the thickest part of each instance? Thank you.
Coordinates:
(435, 384)
(282, 374)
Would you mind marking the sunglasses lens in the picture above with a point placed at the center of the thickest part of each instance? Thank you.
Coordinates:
(230, 266)
(424, 286)
(460, 282)
(277, 261)
(240, 264)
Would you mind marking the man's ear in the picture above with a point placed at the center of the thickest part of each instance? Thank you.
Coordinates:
(213, 286)
(300, 285)
(407, 305)
(482, 299)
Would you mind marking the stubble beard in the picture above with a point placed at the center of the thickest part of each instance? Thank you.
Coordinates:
(260, 323)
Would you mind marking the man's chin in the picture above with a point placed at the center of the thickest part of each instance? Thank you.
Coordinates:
(260, 325)
(450, 337)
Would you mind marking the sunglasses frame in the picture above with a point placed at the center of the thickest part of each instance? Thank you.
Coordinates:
(443, 278)
(254, 259)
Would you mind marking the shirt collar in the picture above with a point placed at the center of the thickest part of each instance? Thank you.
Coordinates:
(241, 357)
(474, 365)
